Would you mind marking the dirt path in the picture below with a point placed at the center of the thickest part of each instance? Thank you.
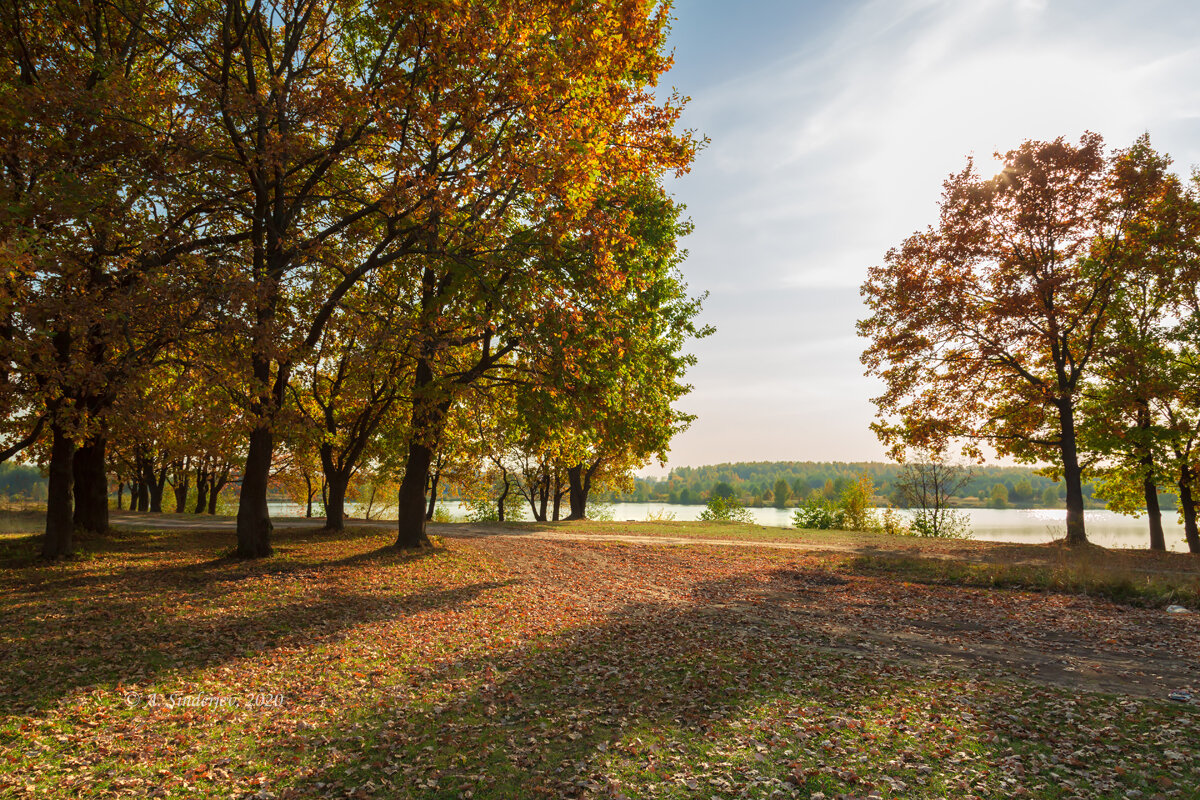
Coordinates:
(139, 521)
(1062, 640)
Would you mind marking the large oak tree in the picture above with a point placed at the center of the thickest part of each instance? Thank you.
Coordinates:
(986, 327)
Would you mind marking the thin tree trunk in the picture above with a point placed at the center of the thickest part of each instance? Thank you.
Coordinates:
(433, 495)
(183, 474)
(59, 517)
(308, 491)
(91, 486)
(1157, 540)
(370, 501)
(1153, 512)
(121, 496)
(253, 517)
(1072, 475)
(500, 502)
(143, 498)
(203, 476)
(544, 494)
(558, 492)
(1187, 504)
(214, 493)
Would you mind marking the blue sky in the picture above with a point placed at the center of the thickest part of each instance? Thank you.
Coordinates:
(832, 127)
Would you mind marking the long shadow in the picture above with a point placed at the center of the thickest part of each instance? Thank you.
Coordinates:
(727, 699)
(61, 632)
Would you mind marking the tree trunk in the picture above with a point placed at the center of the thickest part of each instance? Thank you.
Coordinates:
(202, 479)
(543, 495)
(253, 517)
(91, 486)
(335, 508)
(143, 496)
(433, 495)
(1157, 540)
(1072, 475)
(500, 502)
(214, 493)
(558, 492)
(428, 416)
(1187, 504)
(183, 473)
(308, 493)
(121, 496)
(1153, 512)
(411, 497)
(59, 517)
(578, 498)
(158, 486)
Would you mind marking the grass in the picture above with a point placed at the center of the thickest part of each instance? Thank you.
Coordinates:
(1072, 574)
(516, 667)
(1128, 576)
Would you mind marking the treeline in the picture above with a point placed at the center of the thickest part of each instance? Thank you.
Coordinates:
(337, 248)
(759, 484)
(1052, 312)
(20, 482)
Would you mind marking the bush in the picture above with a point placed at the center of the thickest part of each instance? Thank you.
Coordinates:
(817, 513)
(941, 524)
(601, 512)
(481, 510)
(725, 509)
(893, 524)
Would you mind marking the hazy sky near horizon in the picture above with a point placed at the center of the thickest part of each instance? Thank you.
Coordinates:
(833, 124)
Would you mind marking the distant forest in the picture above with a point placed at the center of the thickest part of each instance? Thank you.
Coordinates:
(754, 484)
(18, 481)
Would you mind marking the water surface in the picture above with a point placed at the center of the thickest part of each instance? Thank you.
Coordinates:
(1032, 526)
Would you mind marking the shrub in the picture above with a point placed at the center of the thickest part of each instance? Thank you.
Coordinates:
(601, 512)
(817, 513)
(941, 524)
(725, 509)
(481, 510)
(893, 524)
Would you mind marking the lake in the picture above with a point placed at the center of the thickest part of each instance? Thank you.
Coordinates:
(1031, 526)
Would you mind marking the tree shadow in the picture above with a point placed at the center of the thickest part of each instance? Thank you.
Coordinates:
(91, 624)
(726, 698)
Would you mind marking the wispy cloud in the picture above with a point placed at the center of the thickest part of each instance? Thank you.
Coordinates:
(827, 155)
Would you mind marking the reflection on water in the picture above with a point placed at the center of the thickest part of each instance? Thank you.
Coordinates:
(1034, 525)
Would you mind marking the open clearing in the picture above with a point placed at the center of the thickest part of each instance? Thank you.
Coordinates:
(588, 660)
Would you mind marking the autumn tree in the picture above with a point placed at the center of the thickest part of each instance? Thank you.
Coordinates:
(986, 327)
(348, 387)
(617, 367)
(583, 124)
(102, 229)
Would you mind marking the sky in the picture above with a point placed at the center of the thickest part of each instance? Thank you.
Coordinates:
(832, 126)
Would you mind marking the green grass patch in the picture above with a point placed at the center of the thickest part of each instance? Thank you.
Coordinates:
(1070, 576)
